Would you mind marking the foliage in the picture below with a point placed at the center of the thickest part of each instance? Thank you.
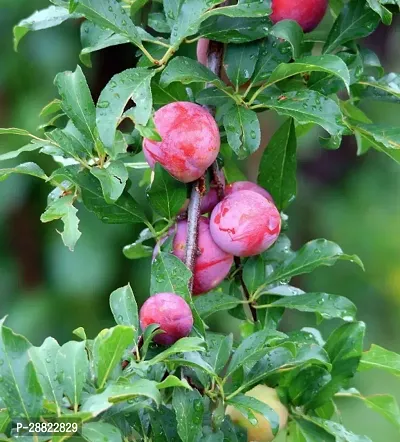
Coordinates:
(119, 384)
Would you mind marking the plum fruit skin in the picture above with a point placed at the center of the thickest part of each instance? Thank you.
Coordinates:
(212, 264)
(171, 312)
(245, 223)
(307, 13)
(247, 185)
(190, 140)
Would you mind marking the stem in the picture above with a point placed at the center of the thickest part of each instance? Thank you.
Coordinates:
(239, 275)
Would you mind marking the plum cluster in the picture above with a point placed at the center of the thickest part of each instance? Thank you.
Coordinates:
(245, 223)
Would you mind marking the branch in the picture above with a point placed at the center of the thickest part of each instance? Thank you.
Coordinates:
(239, 275)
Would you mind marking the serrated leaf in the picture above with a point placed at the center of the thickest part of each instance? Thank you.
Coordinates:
(44, 361)
(184, 345)
(307, 383)
(254, 273)
(172, 381)
(214, 302)
(248, 405)
(73, 143)
(328, 306)
(130, 84)
(64, 209)
(278, 166)
(189, 411)
(72, 365)
(304, 431)
(379, 357)
(166, 194)
(76, 101)
(124, 308)
(384, 14)
(51, 108)
(26, 169)
(163, 95)
(20, 389)
(306, 106)
(290, 31)
(31, 147)
(4, 420)
(124, 211)
(108, 349)
(356, 20)
(388, 136)
(112, 179)
(244, 8)
(386, 88)
(100, 431)
(219, 350)
(240, 61)
(186, 71)
(243, 130)
(43, 19)
(111, 15)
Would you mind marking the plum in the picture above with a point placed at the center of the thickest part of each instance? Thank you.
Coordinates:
(212, 264)
(190, 140)
(171, 312)
(245, 223)
(307, 13)
(247, 185)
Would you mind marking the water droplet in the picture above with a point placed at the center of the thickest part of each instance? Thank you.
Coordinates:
(48, 360)
(110, 8)
(123, 23)
(1, 362)
(120, 318)
(113, 83)
(116, 95)
(253, 135)
(305, 105)
(103, 104)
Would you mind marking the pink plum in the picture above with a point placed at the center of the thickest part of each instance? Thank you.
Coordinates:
(190, 140)
(212, 264)
(245, 223)
(307, 13)
(247, 185)
(171, 312)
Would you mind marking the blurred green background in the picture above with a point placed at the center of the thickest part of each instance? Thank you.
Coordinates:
(47, 290)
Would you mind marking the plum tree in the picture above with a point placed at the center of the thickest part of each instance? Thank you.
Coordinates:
(245, 223)
(212, 264)
(247, 185)
(307, 13)
(261, 432)
(190, 140)
(171, 312)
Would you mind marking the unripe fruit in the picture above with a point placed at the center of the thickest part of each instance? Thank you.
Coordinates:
(261, 432)
(171, 312)
(212, 264)
(307, 13)
(247, 185)
(190, 140)
(245, 223)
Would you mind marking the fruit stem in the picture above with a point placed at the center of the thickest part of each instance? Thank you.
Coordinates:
(239, 275)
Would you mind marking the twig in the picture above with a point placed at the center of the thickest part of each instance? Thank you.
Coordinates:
(239, 276)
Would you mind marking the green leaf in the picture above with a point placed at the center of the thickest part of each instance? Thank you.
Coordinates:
(124, 211)
(51, 108)
(273, 52)
(164, 426)
(20, 389)
(219, 350)
(64, 209)
(166, 194)
(189, 410)
(330, 64)
(378, 357)
(172, 381)
(307, 383)
(112, 179)
(290, 31)
(306, 106)
(44, 361)
(111, 15)
(31, 147)
(43, 19)
(108, 349)
(234, 29)
(277, 171)
(76, 101)
(26, 169)
(130, 84)
(386, 88)
(124, 308)
(254, 273)
(4, 420)
(184, 345)
(249, 405)
(304, 431)
(137, 249)
(387, 136)
(15, 131)
(72, 142)
(240, 61)
(244, 8)
(214, 302)
(355, 21)
(313, 254)
(328, 306)
(385, 14)
(100, 431)
(243, 130)
(116, 393)
(186, 71)
(168, 94)
(72, 364)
